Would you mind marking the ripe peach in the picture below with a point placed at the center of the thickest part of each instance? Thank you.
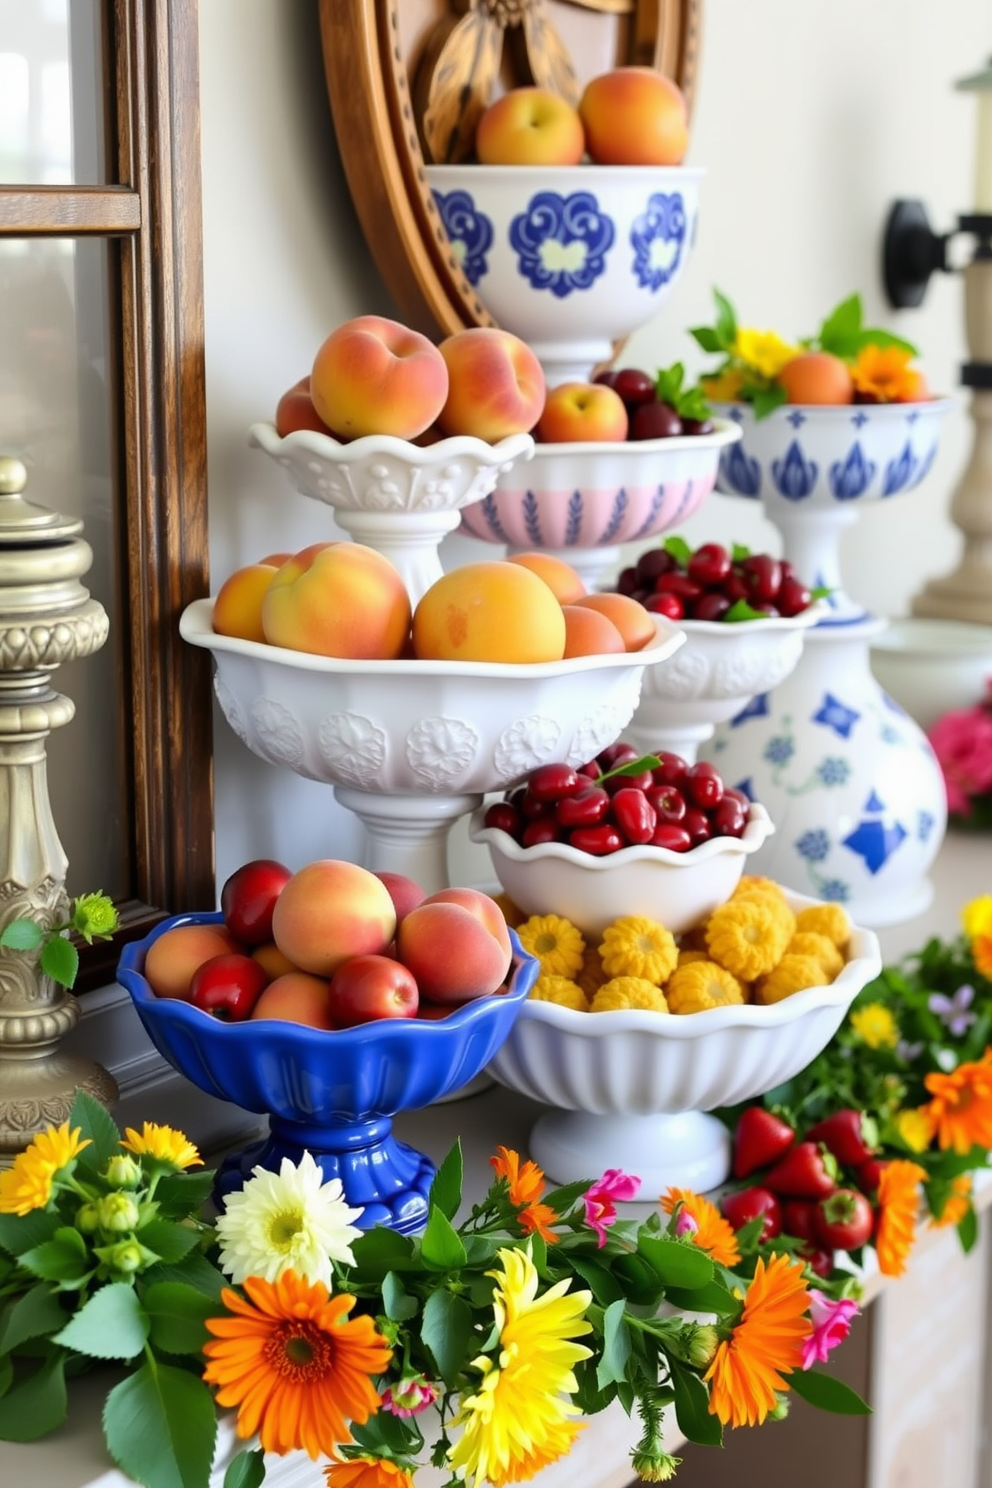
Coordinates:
(238, 607)
(376, 376)
(296, 997)
(451, 953)
(272, 961)
(330, 910)
(817, 377)
(530, 126)
(631, 619)
(276, 560)
(172, 959)
(589, 633)
(338, 599)
(483, 906)
(559, 576)
(405, 894)
(295, 410)
(496, 385)
(634, 116)
(576, 412)
(489, 612)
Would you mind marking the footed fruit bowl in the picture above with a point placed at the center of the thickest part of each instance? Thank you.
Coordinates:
(332, 1094)
(631, 1087)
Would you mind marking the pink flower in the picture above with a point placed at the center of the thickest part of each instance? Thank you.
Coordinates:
(962, 742)
(614, 1187)
(831, 1324)
(685, 1224)
(412, 1395)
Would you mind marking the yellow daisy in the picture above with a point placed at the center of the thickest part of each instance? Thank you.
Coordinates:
(747, 937)
(875, 1026)
(976, 917)
(163, 1144)
(763, 352)
(556, 943)
(28, 1183)
(916, 1128)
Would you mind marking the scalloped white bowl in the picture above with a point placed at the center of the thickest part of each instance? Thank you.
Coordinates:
(677, 889)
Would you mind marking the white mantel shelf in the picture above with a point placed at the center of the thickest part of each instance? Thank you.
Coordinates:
(75, 1457)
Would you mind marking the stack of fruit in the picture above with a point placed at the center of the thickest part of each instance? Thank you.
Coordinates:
(715, 583)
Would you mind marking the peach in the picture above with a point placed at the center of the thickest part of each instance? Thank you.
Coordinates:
(817, 377)
(330, 910)
(631, 619)
(489, 612)
(172, 959)
(634, 116)
(577, 412)
(560, 577)
(276, 560)
(272, 961)
(496, 385)
(376, 376)
(296, 997)
(405, 894)
(530, 126)
(483, 906)
(295, 411)
(238, 607)
(338, 599)
(451, 953)
(589, 633)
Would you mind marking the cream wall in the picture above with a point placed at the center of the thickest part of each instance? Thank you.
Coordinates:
(811, 116)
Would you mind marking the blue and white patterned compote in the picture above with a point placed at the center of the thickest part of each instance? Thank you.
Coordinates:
(850, 780)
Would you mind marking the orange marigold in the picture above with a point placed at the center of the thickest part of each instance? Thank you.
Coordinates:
(712, 1232)
(981, 954)
(367, 1472)
(526, 1184)
(898, 1204)
(956, 1205)
(961, 1108)
(748, 1367)
(884, 373)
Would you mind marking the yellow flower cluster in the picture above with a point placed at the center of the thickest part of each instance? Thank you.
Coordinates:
(753, 948)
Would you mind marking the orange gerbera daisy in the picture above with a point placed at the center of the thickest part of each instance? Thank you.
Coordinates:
(956, 1205)
(526, 1184)
(296, 1370)
(884, 373)
(711, 1231)
(898, 1204)
(367, 1472)
(981, 954)
(961, 1108)
(748, 1366)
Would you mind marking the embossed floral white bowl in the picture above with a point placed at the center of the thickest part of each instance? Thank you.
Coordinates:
(717, 672)
(631, 1088)
(677, 889)
(397, 497)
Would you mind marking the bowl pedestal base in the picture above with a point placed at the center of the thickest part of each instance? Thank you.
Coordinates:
(688, 1149)
(408, 833)
(387, 1179)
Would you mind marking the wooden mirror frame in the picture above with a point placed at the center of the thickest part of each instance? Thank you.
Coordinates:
(368, 80)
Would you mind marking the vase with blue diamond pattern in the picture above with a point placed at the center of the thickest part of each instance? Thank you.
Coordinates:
(849, 779)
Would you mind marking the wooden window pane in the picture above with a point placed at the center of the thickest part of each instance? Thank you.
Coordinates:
(51, 95)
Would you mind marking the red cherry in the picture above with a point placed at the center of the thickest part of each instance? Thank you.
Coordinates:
(654, 562)
(633, 813)
(536, 832)
(709, 565)
(668, 802)
(673, 836)
(598, 841)
(731, 793)
(654, 421)
(697, 426)
(608, 377)
(734, 587)
(504, 817)
(670, 769)
(709, 606)
(697, 824)
(533, 809)
(703, 785)
(678, 583)
(628, 581)
(763, 576)
(668, 605)
(728, 818)
(793, 597)
(591, 769)
(586, 809)
(617, 754)
(553, 782)
(634, 387)
(617, 783)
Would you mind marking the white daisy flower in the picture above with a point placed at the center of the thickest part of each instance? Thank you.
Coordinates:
(286, 1220)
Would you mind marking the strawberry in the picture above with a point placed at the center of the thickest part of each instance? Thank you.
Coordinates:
(759, 1138)
(868, 1175)
(807, 1171)
(852, 1136)
(746, 1204)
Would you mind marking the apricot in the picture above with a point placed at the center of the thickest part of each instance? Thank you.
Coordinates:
(589, 633)
(631, 619)
(330, 910)
(483, 906)
(272, 961)
(238, 607)
(451, 953)
(817, 377)
(376, 376)
(489, 612)
(295, 411)
(296, 997)
(530, 126)
(171, 960)
(559, 576)
(338, 599)
(634, 116)
(495, 384)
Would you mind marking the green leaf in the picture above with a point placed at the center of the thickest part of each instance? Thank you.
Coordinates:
(726, 320)
(441, 1247)
(60, 960)
(874, 336)
(111, 1325)
(196, 1271)
(169, 1241)
(160, 1425)
(176, 1315)
(638, 1279)
(590, 1397)
(446, 1331)
(713, 1298)
(179, 1195)
(58, 1259)
(766, 400)
(739, 552)
(446, 1190)
(612, 1364)
(37, 1404)
(396, 1299)
(679, 550)
(707, 338)
(741, 610)
(841, 326)
(35, 1315)
(827, 1393)
(562, 1199)
(967, 1228)
(20, 1233)
(601, 1282)
(246, 1470)
(96, 1124)
(668, 384)
(380, 1250)
(21, 935)
(677, 1264)
(692, 1408)
(6, 1374)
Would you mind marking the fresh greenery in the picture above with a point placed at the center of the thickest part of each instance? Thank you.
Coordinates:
(92, 917)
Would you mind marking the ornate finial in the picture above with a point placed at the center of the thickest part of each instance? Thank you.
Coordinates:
(13, 475)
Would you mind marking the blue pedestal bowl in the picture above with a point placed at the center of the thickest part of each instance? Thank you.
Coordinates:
(332, 1094)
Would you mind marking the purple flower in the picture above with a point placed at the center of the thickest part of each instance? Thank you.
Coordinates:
(908, 1053)
(614, 1187)
(952, 1011)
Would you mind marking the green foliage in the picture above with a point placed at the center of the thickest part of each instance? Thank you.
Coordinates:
(161, 1427)
(446, 1190)
(92, 917)
(246, 1470)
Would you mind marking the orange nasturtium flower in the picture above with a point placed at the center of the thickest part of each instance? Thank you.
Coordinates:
(898, 1205)
(956, 1205)
(747, 1369)
(884, 373)
(961, 1108)
(367, 1472)
(526, 1184)
(296, 1370)
(712, 1232)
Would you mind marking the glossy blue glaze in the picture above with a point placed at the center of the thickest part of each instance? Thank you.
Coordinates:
(333, 1094)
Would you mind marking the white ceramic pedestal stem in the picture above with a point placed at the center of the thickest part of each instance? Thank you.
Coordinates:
(686, 741)
(811, 542)
(410, 541)
(687, 1150)
(408, 834)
